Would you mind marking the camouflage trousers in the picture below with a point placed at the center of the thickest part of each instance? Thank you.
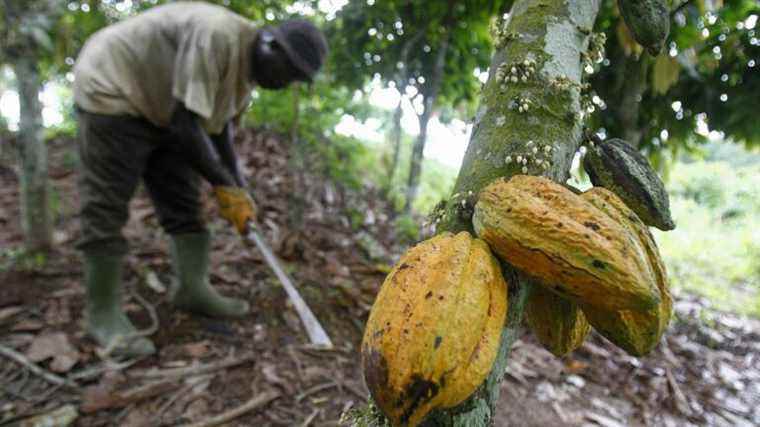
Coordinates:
(116, 153)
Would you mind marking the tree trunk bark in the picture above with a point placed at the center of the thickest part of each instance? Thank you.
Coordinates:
(32, 151)
(396, 143)
(415, 169)
(631, 88)
(553, 33)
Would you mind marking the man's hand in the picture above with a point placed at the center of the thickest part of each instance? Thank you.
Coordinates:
(236, 206)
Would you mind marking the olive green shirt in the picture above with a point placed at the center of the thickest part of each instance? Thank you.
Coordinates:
(191, 52)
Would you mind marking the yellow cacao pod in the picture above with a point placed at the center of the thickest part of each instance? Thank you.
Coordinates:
(635, 331)
(435, 327)
(558, 323)
(565, 242)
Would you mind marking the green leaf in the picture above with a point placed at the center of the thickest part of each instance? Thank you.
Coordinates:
(665, 73)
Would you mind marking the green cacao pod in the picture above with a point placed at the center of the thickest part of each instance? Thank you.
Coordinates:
(565, 242)
(558, 323)
(648, 20)
(635, 331)
(617, 166)
(435, 327)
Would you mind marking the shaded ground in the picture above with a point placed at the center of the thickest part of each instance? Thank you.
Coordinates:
(706, 372)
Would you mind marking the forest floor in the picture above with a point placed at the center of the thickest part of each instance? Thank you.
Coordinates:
(705, 371)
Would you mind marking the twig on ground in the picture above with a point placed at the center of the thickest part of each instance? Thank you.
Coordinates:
(48, 376)
(195, 369)
(682, 405)
(357, 391)
(95, 371)
(182, 392)
(296, 360)
(310, 418)
(560, 412)
(668, 354)
(113, 345)
(276, 420)
(253, 404)
(42, 397)
(128, 397)
(319, 349)
(17, 385)
(317, 388)
(63, 416)
(123, 413)
(603, 420)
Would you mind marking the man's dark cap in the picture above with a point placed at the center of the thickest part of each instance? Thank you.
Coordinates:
(304, 44)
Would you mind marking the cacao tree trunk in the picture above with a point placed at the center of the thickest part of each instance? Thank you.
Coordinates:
(32, 152)
(553, 34)
(415, 169)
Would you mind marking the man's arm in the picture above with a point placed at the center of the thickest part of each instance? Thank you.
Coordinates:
(199, 150)
(223, 143)
(235, 204)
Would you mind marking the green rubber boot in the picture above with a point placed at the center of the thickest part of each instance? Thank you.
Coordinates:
(191, 290)
(106, 321)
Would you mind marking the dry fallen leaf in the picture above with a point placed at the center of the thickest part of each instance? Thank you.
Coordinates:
(27, 325)
(8, 312)
(197, 409)
(573, 366)
(56, 346)
(61, 417)
(269, 371)
(139, 417)
(197, 349)
(98, 396)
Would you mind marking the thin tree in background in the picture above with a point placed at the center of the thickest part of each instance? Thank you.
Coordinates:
(25, 39)
(429, 94)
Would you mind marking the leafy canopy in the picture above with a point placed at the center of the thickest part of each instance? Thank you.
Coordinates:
(707, 75)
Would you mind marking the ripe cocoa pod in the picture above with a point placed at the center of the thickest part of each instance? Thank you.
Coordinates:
(558, 323)
(648, 20)
(435, 327)
(565, 242)
(617, 166)
(635, 331)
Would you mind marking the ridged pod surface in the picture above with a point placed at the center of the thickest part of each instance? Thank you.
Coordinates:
(648, 20)
(558, 323)
(565, 242)
(635, 331)
(617, 166)
(435, 327)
